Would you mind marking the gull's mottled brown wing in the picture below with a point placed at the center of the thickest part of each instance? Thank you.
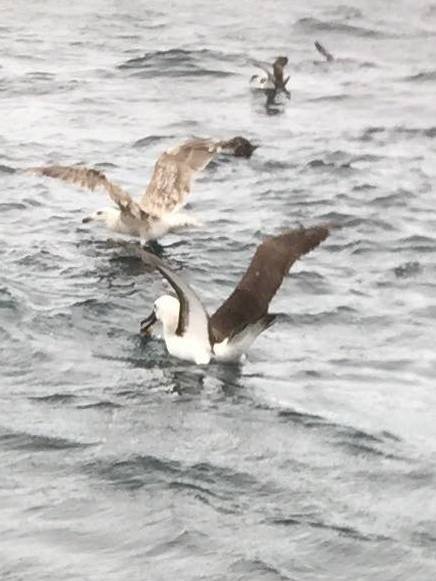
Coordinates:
(92, 179)
(196, 153)
(272, 260)
(173, 173)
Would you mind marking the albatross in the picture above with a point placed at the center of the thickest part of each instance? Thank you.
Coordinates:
(191, 334)
(158, 210)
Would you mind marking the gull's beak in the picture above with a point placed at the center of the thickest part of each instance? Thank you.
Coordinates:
(148, 323)
(86, 219)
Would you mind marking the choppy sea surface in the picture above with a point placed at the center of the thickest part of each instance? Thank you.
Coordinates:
(314, 460)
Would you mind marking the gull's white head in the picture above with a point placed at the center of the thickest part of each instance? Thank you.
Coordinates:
(109, 216)
(166, 310)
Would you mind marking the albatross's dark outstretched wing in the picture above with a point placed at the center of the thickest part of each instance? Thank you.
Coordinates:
(249, 302)
(193, 318)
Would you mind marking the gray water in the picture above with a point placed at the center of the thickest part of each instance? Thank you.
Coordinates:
(316, 459)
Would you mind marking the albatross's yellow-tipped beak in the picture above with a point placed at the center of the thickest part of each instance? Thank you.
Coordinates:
(147, 324)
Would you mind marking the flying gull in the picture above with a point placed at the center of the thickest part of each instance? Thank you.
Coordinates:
(157, 211)
(192, 335)
(325, 53)
(274, 81)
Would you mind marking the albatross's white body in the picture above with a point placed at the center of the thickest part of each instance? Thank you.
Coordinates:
(187, 349)
(195, 346)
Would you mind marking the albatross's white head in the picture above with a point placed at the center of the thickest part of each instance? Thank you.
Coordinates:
(109, 216)
(185, 346)
(166, 310)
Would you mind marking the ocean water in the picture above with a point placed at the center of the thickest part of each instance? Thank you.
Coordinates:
(316, 458)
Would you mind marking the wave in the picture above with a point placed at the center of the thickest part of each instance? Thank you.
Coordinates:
(397, 198)
(345, 12)
(341, 161)
(365, 187)
(257, 569)
(102, 404)
(178, 63)
(422, 77)
(354, 440)
(310, 24)
(7, 169)
(37, 84)
(139, 470)
(150, 140)
(53, 398)
(318, 163)
(8, 300)
(408, 269)
(389, 134)
(216, 486)
(343, 530)
(331, 98)
(416, 243)
(38, 443)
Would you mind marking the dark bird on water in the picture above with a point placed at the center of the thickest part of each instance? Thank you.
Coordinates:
(274, 82)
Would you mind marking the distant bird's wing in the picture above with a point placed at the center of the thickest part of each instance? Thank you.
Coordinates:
(272, 260)
(92, 179)
(193, 318)
(322, 50)
(173, 173)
